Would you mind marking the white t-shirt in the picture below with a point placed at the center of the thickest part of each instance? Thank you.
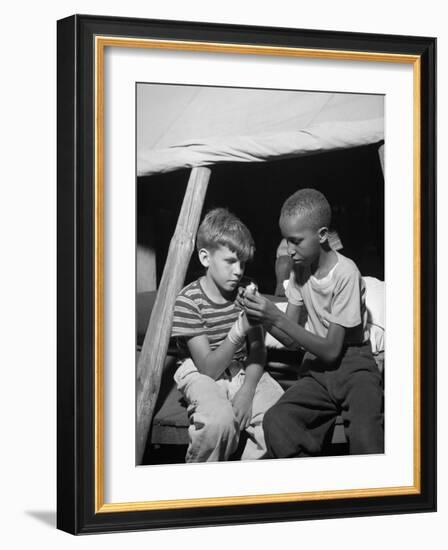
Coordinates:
(337, 298)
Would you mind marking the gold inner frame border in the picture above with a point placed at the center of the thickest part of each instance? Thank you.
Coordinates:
(100, 43)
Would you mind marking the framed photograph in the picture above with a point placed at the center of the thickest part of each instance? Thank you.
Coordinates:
(215, 184)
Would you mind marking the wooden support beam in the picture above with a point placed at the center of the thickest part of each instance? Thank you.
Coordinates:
(381, 156)
(155, 344)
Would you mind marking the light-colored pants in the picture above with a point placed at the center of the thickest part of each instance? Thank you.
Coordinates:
(214, 431)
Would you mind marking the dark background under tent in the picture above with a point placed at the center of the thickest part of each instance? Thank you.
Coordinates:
(351, 179)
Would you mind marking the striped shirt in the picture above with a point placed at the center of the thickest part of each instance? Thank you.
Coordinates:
(195, 314)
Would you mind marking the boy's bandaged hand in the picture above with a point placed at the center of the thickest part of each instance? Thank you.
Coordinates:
(250, 290)
(243, 323)
(237, 333)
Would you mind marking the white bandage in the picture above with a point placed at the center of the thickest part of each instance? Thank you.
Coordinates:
(236, 334)
(251, 288)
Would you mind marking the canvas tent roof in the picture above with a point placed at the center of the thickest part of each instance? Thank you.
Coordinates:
(187, 126)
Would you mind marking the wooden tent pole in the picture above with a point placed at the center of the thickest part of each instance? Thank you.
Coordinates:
(381, 156)
(155, 344)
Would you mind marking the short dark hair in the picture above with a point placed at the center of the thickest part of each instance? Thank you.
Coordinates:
(310, 203)
(222, 228)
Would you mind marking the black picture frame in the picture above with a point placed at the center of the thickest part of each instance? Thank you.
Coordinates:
(78, 502)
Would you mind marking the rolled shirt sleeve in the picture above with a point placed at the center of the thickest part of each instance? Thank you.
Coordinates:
(346, 304)
(293, 292)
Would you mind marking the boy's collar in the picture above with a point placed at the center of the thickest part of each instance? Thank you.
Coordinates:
(203, 282)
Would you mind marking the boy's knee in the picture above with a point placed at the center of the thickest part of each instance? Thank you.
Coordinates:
(272, 420)
(284, 438)
(213, 435)
(366, 395)
(222, 424)
(365, 431)
(366, 438)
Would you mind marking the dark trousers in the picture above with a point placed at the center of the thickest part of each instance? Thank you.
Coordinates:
(299, 423)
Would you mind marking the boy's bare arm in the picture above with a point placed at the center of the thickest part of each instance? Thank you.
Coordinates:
(293, 313)
(256, 357)
(327, 349)
(256, 360)
(212, 363)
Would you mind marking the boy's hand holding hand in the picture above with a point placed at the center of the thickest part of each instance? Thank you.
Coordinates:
(260, 310)
(242, 325)
(240, 328)
(242, 405)
(250, 290)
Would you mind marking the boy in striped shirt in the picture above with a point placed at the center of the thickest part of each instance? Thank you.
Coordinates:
(222, 375)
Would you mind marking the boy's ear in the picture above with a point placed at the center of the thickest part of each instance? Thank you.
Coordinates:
(204, 257)
(323, 234)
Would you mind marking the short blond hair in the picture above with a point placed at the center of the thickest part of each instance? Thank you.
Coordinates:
(222, 228)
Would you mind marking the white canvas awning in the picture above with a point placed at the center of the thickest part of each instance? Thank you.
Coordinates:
(204, 126)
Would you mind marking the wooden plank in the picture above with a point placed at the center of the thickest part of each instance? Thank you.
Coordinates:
(155, 344)
(381, 156)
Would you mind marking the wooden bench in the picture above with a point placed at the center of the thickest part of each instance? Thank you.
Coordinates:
(169, 431)
(168, 437)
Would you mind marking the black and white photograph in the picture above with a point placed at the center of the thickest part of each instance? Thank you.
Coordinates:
(260, 274)
(180, 183)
